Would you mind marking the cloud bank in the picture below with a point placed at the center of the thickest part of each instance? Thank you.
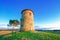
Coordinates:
(49, 26)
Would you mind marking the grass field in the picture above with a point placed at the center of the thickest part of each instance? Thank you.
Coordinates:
(30, 36)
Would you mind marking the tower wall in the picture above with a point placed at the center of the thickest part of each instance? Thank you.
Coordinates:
(27, 21)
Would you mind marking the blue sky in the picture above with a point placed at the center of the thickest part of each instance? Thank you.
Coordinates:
(46, 12)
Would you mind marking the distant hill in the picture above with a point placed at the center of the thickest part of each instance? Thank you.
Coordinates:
(52, 31)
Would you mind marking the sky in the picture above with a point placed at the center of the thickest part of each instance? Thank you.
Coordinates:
(46, 12)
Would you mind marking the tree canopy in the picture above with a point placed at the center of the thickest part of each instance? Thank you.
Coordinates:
(14, 22)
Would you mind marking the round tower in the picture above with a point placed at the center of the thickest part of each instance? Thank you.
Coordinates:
(27, 20)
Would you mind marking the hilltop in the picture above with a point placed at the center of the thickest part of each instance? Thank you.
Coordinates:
(30, 36)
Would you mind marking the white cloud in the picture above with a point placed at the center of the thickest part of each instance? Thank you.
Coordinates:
(5, 27)
(48, 26)
(51, 26)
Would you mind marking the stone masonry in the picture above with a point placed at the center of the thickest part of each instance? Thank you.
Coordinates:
(27, 20)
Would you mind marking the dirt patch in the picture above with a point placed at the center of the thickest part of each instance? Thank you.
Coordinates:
(6, 36)
(4, 32)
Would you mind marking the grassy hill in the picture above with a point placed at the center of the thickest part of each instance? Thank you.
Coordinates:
(52, 31)
(30, 36)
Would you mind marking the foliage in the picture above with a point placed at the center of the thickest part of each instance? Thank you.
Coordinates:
(14, 22)
(32, 36)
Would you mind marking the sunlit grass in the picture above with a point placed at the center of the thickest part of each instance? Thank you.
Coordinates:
(31, 36)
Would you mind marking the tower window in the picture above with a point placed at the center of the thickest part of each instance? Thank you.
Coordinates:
(29, 13)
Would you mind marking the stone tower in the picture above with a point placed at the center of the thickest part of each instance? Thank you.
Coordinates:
(27, 20)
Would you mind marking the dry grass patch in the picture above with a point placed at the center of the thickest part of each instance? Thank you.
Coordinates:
(4, 32)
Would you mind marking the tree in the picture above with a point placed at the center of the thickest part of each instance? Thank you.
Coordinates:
(10, 22)
(14, 22)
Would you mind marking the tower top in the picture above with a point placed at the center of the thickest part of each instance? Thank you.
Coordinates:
(27, 10)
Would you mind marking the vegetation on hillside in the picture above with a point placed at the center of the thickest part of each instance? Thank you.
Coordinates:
(30, 36)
